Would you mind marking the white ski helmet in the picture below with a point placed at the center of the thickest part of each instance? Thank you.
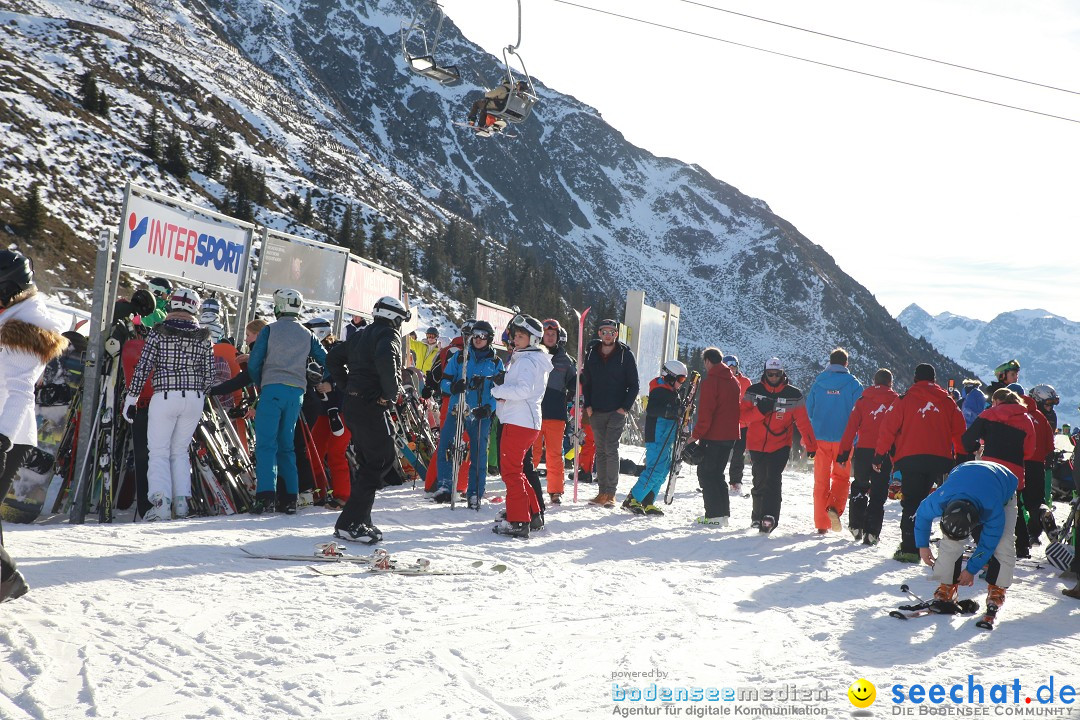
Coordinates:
(319, 327)
(287, 302)
(392, 309)
(215, 328)
(1045, 394)
(674, 370)
(184, 299)
(530, 325)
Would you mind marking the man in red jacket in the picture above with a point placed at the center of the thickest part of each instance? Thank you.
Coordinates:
(717, 429)
(866, 501)
(769, 409)
(924, 427)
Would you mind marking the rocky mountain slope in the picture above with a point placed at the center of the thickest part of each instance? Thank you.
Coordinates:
(315, 96)
(1047, 346)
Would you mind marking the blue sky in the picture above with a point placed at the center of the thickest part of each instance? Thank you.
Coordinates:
(921, 197)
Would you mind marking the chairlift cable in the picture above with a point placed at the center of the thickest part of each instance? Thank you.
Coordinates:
(814, 62)
(879, 47)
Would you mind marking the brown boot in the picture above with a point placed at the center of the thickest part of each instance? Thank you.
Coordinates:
(995, 595)
(1073, 592)
(598, 500)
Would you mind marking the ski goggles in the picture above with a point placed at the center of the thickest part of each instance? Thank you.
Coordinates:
(551, 325)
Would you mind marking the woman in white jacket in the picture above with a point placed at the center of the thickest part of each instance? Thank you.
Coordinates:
(29, 338)
(518, 399)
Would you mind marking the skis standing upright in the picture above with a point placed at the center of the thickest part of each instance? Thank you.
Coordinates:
(578, 409)
(682, 435)
(109, 376)
(459, 450)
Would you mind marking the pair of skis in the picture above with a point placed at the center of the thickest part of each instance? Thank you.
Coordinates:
(682, 437)
(332, 559)
(922, 608)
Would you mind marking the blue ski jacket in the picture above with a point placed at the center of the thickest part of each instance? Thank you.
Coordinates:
(830, 400)
(482, 363)
(989, 487)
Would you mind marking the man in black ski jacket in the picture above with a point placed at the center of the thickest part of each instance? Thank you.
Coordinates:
(368, 366)
(610, 387)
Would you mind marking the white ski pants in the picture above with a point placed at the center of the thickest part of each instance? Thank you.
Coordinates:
(173, 417)
(999, 569)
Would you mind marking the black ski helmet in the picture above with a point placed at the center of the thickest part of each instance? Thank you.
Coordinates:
(483, 327)
(16, 274)
(959, 519)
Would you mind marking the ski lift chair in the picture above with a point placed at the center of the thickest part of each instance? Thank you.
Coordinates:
(424, 63)
(519, 103)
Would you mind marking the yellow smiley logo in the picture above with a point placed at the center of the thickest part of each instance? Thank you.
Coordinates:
(862, 693)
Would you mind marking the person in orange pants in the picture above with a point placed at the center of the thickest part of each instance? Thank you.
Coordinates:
(559, 391)
(332, 447)
(588, 455)
(829, 403)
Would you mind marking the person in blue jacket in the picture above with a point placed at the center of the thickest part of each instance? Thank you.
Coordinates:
(661, 429)
(977, 498)
(974, 401)
(829, 403)
(483, 365)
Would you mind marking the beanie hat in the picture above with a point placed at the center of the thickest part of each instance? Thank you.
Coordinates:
(925, 371)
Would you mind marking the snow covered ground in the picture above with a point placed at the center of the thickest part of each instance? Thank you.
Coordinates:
(173, 621)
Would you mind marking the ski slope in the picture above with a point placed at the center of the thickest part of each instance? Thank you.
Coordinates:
(172, 621)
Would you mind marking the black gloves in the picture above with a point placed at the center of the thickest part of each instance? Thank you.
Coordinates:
(129, 413)
(5, 443)
(481, 412)
(476, 382)
(877, 461)
(215, 390)
(766, 405)
(843, 457)
(457, 387)
(498, 378)
(427, 392)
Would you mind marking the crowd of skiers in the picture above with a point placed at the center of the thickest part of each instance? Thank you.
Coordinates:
(867, 444)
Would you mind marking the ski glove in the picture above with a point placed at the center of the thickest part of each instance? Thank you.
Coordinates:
(129, 408)
(877, 462)
(766, 405)
(476, 382)
(457, 387)
(427, 392)
(481, 412)
(843, 457)
(5, 443)
(499, 377)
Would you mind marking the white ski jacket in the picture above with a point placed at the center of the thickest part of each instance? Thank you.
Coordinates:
(29, 338)
(521, 392)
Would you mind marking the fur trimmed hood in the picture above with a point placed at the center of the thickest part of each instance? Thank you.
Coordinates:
(26, 325)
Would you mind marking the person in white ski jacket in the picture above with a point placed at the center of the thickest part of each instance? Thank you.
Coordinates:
(518, 398)
(29, 338)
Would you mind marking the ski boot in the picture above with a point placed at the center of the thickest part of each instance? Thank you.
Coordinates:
(834, 519)
(14, 587)
(442, 497)
(905, 557)
(655, 510)
(537, 522)
(717, 522)
(265, 502)
(512, 529)
(1073, 592)
(633, 505)
(944, 602)
(556, 498)
(180, 508)
(160, 508)
(359, 532)
(856, 533)
(870, 539)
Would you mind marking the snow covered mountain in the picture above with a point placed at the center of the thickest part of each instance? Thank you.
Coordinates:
(314, 95)
(1047, 346)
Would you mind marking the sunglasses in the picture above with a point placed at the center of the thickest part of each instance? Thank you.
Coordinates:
(612, 333)
(773, 373)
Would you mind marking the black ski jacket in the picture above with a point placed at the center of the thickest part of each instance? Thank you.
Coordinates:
(612, 383)
(368, 365)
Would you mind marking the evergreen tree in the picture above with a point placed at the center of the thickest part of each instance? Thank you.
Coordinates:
(379, 242)
(344, 235)
(211, 152)
(152, 138)
(306, 213)
(176, 162)
(88, 91)
(102, 104)
(359, 239)
(31, 212)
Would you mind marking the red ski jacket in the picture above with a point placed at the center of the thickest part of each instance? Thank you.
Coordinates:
(1044, 433)
(1007, 434)
(769, 433)
(866, 417)
(718, 405)
(744, 385)
(922, 421)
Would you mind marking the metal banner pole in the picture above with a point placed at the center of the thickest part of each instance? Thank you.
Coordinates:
(244, 307)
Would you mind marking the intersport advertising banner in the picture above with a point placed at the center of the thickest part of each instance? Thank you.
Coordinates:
(160, 239)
